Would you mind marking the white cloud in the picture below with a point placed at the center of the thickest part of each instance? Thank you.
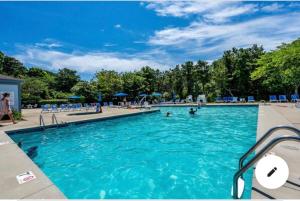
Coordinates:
(202, 37)
(109, 45)
(91, 62)
(118, 26)
(272, 7)
(48, 43)
(213, 11)
(228, 12)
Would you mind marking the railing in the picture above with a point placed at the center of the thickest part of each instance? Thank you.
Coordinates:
(260, 154)
(42, 123)
(140, 102)
(263, 138)
(54, 119)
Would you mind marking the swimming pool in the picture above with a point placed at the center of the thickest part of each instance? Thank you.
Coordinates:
(149, 155)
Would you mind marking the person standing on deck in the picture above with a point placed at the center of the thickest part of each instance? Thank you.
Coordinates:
(5, 107)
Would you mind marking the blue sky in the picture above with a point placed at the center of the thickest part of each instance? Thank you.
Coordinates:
(124, 36)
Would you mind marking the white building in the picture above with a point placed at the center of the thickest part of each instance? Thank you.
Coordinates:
(12, 86)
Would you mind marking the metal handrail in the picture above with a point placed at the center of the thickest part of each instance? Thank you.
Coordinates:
(261, 153)
(42, 123)
(54, 119)
(263, 138)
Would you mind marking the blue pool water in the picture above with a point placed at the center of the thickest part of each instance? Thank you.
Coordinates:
(149, 155)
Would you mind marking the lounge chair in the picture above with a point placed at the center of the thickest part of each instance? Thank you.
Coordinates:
(105, 104)
(202, 99)
(45, 108)
(189, 99)
(78, 106)
(273, 98)
(282, 98)
(54, 108)
(251, 99)
(219, 99)
(295, 97)
(64, 107)
(111, 104)
(234, 99)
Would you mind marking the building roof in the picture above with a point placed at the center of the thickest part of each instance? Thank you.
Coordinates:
(9, 78)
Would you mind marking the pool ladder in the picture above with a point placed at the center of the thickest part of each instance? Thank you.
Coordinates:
(54, 120)
(42, 122)
(238, 180)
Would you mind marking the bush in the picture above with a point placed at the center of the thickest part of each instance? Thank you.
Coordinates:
(17, 115)
(54, 101)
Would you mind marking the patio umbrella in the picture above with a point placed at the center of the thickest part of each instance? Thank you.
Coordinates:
(121, 94)
(156, 94)
(74, 97)
(143, 94)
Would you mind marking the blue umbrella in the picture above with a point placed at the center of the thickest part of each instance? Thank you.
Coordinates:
(121, 94)
(156, 94)
(143, 94)
(74, 97)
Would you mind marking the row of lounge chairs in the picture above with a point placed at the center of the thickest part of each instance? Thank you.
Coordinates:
(68, 107)
(87, 106)
(283, 98)
(272, 98)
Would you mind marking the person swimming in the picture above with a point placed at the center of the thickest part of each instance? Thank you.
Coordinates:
(168, 114)
(192, 111)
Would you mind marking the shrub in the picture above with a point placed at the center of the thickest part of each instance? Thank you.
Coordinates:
(54, 101)
(17, 115)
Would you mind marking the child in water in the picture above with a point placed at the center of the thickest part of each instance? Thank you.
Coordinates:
(168, 114)
(192, 111)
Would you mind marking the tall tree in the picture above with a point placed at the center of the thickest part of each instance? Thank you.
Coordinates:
(279, 70)
(66, 79)
(13, 67)
(108, 82)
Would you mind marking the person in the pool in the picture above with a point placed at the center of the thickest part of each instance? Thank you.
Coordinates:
(192, 111)
(168, 114)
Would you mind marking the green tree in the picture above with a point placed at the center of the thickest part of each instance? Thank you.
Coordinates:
(66, 79)
(85, 89)
(33, 90)
(132, 83)
(279, 70)
(150, 81)
(13, 67)
(108, 83)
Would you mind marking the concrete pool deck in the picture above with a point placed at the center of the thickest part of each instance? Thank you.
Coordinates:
(15, 161)
(270, 116)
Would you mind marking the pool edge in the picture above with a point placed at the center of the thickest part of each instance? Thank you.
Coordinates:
(17, 162)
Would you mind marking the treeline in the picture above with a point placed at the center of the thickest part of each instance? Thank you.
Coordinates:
(239, 72)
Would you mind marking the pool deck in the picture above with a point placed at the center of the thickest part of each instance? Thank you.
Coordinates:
(268, 117)
(15, 161)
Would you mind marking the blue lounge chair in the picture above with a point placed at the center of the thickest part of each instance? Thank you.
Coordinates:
(273, 98)
(45, 108)
(234, 99)
(105, 104)
(219, 99)
(282, 98)
(295, 97)
(251, 99)
(111, 104)
(54, 108)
